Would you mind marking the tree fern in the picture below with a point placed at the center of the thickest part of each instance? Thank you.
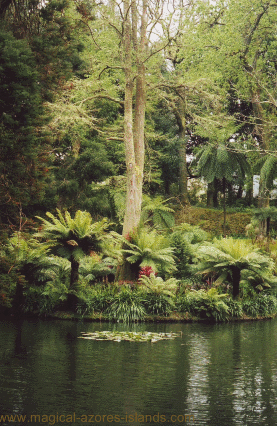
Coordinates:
(73, 238)
(148, 248)
(227, 258)
(218, 161)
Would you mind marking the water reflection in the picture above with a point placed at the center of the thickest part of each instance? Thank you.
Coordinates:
(222, 374)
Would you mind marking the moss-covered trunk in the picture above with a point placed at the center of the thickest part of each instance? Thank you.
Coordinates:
(134, 115)
(134, 123)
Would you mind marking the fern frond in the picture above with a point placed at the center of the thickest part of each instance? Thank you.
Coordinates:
(150, 249)
(269, 171)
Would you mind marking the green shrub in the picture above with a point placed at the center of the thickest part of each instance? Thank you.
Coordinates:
(267, 304)
(183, 252)
(271, 303)
(185, 240)
(193, 283)
(46, 299)
(235, 307)
(258, 305)
(94, 268)
(160, 294)
(250, 307)
(8, 283)
(207, 305)
(158, 286)
(192, 233)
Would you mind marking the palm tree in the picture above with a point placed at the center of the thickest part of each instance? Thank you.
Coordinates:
(73, 238)
(227, 258)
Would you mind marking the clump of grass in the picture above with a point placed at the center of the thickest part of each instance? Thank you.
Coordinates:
(95, 299)
(127, 306)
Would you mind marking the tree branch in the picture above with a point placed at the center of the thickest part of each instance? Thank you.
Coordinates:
(256, 24)
(91, 33)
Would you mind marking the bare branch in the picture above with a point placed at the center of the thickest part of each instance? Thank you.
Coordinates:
(107, 67)
(114, 138)
(91, 33)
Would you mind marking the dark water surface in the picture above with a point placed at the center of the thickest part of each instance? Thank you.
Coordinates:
(220, 375)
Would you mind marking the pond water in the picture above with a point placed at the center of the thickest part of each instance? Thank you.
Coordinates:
(218, 375)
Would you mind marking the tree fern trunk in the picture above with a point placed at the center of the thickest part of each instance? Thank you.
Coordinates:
(74, 275)
(18, 300)
(236, 280)
(212, 194)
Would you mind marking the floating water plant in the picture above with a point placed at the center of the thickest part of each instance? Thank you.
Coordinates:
(131, 336)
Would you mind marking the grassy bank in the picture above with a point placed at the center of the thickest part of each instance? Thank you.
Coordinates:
(126, 304)
(211, 220)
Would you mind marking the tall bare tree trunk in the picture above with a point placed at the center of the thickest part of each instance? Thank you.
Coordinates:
(134, 44)
(132, 213)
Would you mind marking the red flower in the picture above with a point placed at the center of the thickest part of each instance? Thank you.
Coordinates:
(146, 270)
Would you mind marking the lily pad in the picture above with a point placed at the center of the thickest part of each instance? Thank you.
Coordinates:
(130, 336)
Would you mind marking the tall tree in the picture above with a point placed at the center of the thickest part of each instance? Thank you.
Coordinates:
(234, 46)
(134, 119)
(22, 163)
(38, 52)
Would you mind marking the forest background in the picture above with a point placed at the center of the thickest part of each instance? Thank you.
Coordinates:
(114, 107)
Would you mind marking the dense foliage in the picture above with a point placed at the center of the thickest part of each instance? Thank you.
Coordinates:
(104, 128)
